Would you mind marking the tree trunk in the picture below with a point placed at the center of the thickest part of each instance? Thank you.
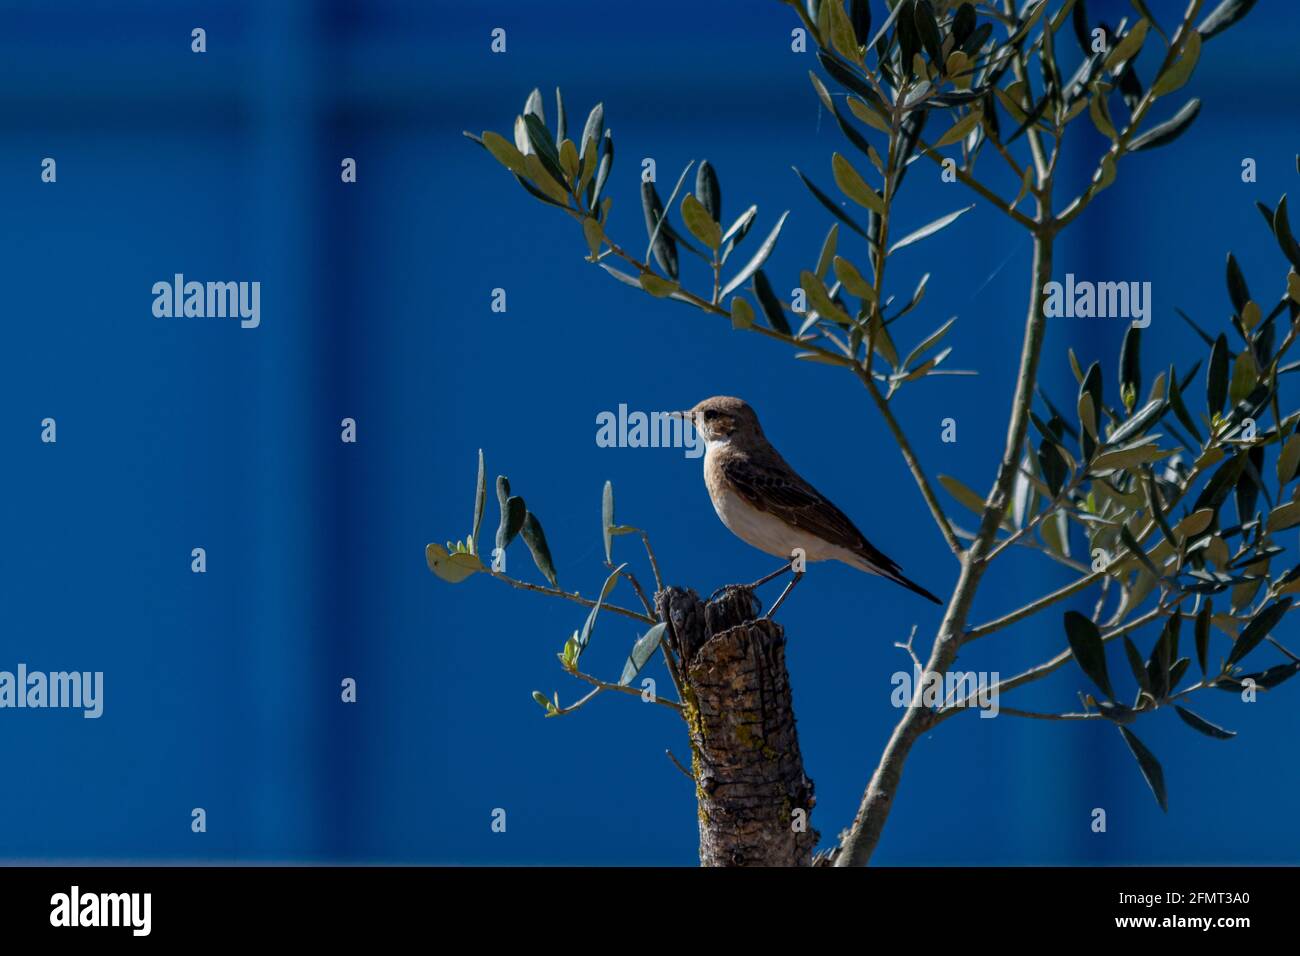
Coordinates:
(755, 801)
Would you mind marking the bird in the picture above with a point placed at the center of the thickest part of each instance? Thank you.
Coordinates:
(765, 502)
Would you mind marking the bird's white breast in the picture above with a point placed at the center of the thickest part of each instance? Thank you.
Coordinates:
(765, 531)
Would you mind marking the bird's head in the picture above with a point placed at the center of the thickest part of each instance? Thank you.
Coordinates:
(724, 419)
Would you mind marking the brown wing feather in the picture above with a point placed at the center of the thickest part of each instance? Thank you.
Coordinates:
(784, 494)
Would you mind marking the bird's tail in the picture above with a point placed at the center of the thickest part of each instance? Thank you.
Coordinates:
(894, 573)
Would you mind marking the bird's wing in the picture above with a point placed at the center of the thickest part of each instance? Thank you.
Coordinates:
(783, 494)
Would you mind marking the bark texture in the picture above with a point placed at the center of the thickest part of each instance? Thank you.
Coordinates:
(755, 801)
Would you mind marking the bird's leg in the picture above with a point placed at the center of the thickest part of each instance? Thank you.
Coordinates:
(770, 577)
(798, 576)
(757, 584)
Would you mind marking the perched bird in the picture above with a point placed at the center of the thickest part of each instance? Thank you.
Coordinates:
(766, 504)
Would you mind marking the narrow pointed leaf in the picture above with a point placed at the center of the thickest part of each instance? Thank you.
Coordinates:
(1128, 46)
(846, 77)
(1169, 130)
(958, 131)
(535, 538)
(820, 299)
(1216, 490)
(602, 171)
(662, 244)
(707, 190)
(756, 263)
(831, 206)
(593, 129)
(539, 137)
(505, 152)
(742, 313)
(928, 31)
(1238, 291)
(1180, 409)
(480, 498)
(1180, 71)
(1196, 722)
(928, 343)
(1150, 766)
(589, 625)
(860, 18)
(963, 494)
(1088, 650)
(1282, 230)
(1216, 376)
(1203, 636)
(853, 281)
(512, 519)
(773, 308)
(700, 223)
(929, 229)
(1130, 365)
(1258, 629)
(1137, 665)
(854, 186)
(607, 519)
(1223, 16)
(645, 646)
(827, 254)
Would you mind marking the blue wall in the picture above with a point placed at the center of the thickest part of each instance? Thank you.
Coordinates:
(222, 689)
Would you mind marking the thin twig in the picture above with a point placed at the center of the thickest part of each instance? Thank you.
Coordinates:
(636, 586)
(601, 685)
(570, 596)
(967, 179)
(654, 565)
(911, 653)
(913, 464)
(678, 764)
(1037, 716)
(1120, 147)
(1272, 640)
(1033, 607)
(1078, 585)
(1039, 671)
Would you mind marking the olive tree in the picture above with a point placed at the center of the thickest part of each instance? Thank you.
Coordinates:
(1179, 490)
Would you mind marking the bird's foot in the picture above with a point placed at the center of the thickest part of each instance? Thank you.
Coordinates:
(798, 576)
(718, 594)
(749, 589)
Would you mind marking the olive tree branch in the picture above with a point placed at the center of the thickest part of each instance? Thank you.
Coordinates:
(1074, 587)
(654, 565)
(1013, 712)
(636, 586)
(863, 370)
(1039, 671)
(1120, 147)
(913, 464)
(967, 179)
(601, 685)
(574, 596)
(862, 836)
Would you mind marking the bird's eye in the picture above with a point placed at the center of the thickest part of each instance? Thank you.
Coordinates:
(710, 415)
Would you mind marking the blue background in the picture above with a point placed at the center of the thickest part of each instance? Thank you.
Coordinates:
(222, 689)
